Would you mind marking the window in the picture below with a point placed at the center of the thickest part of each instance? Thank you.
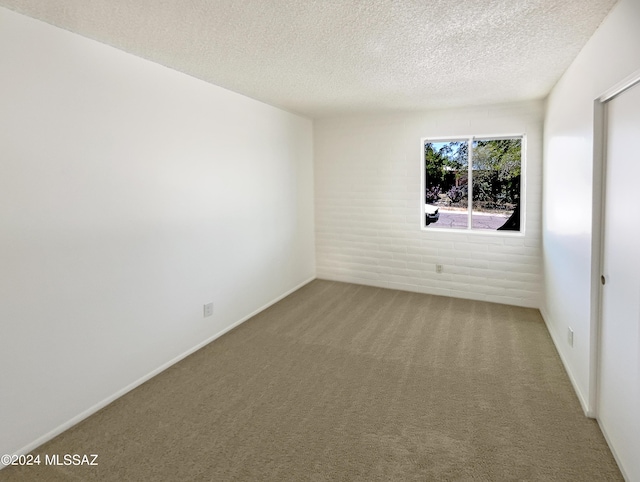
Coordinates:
(472, 183)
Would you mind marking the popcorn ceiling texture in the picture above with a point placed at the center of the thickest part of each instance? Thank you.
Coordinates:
(326, 58)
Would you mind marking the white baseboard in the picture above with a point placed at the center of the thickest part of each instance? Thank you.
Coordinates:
(98, 406)
(613, 452)
(567, 368)
(376, 283)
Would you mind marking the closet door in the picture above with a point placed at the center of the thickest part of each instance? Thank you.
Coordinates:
(619, 376)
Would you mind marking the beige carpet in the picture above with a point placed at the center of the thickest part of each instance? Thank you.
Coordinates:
(345, 382)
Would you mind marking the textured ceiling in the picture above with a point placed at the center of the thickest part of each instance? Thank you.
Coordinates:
(330, 57)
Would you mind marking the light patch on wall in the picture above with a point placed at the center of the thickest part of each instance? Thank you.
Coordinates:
(570, 185)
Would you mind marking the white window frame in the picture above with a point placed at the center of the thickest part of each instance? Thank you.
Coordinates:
(469, 229)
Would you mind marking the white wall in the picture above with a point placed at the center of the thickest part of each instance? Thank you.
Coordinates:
(130, 195)
(367, 181)
(610, 55)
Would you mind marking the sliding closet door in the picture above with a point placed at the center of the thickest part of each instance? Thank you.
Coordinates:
(619, 380)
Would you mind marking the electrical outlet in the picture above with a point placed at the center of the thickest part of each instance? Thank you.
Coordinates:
(208, 309)
(570, 336)
(438, 268)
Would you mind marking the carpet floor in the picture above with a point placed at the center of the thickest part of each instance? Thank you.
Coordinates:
(350, 383)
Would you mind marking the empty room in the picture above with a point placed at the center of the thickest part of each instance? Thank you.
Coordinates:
(308, 240)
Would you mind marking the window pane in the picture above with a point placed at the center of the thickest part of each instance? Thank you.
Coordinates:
(496, 184)
(447, 175)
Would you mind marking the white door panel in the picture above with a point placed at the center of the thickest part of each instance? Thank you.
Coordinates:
(619, 379)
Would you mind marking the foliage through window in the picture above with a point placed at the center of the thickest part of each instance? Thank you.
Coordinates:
(485, 171)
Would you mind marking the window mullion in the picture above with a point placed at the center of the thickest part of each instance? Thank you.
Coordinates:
(470, 182)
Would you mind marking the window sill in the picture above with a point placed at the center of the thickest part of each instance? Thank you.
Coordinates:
(475, 232)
